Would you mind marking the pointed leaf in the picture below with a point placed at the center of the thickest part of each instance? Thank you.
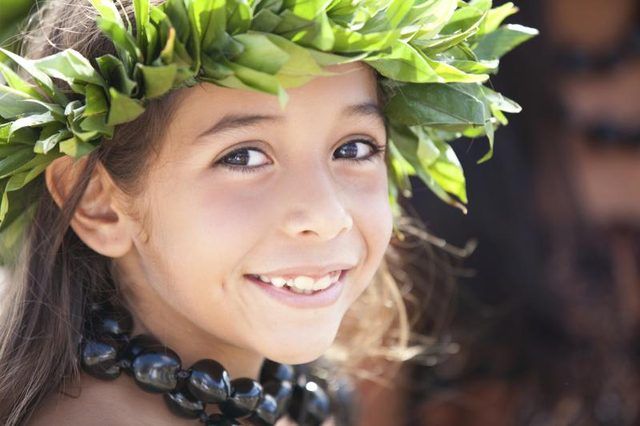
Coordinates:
(158, 80)
(496, 44)
(434, 104)
(123, 109)
(71, 67)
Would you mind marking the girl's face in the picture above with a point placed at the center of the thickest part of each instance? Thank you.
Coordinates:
(243, 188)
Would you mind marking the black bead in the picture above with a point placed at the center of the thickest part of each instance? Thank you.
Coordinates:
(137, 345)
(99, 358)
(281, 392)
(220, 420)
(156, 370)
(111, 321)
(183, 404)
(272, 370)
(244, 398)
(309, 405)
(266, 413)
(209, 381)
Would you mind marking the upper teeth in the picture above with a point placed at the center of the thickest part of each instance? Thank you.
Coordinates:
(303, 282)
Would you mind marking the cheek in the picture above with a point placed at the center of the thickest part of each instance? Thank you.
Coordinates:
(369, 202)
(200, 236)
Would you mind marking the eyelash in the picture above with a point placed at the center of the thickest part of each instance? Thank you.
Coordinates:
(378, 151)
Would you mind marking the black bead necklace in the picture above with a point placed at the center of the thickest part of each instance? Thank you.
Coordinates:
(107, 349)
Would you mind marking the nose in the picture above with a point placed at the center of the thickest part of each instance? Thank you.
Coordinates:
(315, 205)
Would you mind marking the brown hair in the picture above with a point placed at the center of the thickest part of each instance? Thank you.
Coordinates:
(57, 275)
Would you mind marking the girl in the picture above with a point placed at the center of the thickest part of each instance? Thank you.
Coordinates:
(216, 236)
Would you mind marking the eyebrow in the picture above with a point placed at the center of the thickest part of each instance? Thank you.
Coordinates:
(236, 121)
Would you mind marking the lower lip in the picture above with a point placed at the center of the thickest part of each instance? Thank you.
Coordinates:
(317, 299)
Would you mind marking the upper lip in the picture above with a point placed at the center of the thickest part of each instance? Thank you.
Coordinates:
(312, 271)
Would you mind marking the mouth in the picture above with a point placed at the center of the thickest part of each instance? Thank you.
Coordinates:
(310, 299)
(337, 277)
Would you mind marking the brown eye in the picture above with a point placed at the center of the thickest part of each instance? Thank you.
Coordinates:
(354, 149)
(242, 160)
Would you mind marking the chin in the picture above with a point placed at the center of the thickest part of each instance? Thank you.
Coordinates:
(298, 358)
(299, 351)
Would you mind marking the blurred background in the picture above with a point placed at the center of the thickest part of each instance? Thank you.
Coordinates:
(545, 314)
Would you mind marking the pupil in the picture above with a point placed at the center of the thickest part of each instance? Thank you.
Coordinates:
(242, 155)
(351, 149)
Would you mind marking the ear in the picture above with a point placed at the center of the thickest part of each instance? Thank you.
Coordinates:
(97, 220)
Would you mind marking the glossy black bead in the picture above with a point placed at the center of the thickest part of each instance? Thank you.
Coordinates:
(209, 381)
(281, 392)
(99, 358)
(156, 370)
(310, 405)
(111, 321)
(266, 413)
(137, 345)
(220, 420)
(183, 404)
(272, 370)
(244, 398)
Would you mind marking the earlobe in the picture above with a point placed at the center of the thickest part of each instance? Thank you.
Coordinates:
(96, 220)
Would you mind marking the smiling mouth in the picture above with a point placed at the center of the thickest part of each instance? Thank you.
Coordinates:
(335, 278)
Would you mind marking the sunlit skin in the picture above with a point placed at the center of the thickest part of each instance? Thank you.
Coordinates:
(182, 248)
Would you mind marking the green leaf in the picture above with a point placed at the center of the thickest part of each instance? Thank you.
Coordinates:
(108, 10)
(116, 75)
(404, 63)
(157, 80)
(40, 77)
(167, 53)
(16, 82)
(319, 35)
(265, 21)
(123, 109)
(43, 146)
(400, 170)
(352, 41)
(124, 42)
(96, 101)
(98, 124)
(209, 23)
(71, 67)
(476, 67)
(501, 102)
(496, 16)
(255, 80)
(410, 148)
(15, 160)
(12, 103)
(300, 67)
(451, 74)
(12, 235)
(75, 147)
(35, 120)
(326, 59)
(446, 170)
(260, 53)
(452, 38)
(239, 15)
(176, 11)
(435, 104)
(141, 9)
(307, 9)
(429, 16)
(496, 44)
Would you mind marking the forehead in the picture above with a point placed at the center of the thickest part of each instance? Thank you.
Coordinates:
(322, 97)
